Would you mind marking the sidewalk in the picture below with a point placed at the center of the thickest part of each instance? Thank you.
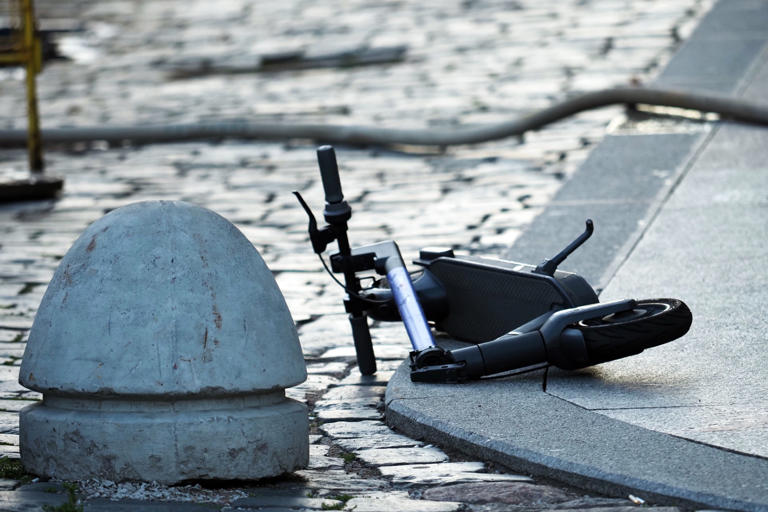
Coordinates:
(681, 210)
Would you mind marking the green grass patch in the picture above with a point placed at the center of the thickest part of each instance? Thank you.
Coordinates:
(341, 497)
(12, 469)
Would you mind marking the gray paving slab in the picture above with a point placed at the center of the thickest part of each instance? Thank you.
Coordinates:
(721, 50)
(397, 456)
(708, 246)
(618, 187)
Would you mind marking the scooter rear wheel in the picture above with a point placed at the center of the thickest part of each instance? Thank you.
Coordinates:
(652, 322)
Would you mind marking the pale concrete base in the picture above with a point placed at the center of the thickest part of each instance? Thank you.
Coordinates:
(227, 438)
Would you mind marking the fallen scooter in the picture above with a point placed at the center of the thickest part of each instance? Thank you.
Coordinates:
(519, 317)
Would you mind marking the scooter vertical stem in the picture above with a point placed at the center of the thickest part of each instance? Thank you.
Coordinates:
(336, 214)
(361, 334)
(409, 308)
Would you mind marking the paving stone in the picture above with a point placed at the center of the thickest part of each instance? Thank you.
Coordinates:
(338, 481)
(382, 351)
(593, 502)
(286, 502)
(13, 335)
(348, 412)
(9, 423)
(626, 508)
(385, 504)
(393, 456)
(353, 392)
(319, 459)
(371, 402)
(24, 394)
(444, 473)
(375, 441)
(380, 378)
(355, 429)
(10, 451)
(14, 406)
(513, 493)
(328, 368)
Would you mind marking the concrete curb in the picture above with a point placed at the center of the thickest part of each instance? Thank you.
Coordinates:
(511, 421)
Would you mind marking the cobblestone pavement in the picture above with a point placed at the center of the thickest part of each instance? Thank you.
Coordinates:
(466, 62)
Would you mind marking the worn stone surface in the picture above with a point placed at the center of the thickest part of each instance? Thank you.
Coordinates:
(401, 504)
(319, 458)
(513, 493)
(397, 456)
(376, 441)
(444, 474)
(287, 502)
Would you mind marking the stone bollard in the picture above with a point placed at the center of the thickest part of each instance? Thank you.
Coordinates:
(163, 348)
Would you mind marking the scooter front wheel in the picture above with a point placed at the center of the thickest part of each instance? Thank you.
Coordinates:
(650, 323)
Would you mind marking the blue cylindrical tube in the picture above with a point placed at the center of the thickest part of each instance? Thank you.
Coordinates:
(410, 309)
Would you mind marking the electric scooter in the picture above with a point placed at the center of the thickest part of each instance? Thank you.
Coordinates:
(517, 316)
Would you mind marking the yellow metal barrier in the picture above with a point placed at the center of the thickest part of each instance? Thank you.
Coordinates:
(23, 48)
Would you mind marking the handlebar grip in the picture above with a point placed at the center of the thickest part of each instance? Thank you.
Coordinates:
(329, 172)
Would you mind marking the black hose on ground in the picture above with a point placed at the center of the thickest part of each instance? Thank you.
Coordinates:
(727, 108)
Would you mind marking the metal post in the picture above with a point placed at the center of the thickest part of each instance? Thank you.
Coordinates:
(33, 62)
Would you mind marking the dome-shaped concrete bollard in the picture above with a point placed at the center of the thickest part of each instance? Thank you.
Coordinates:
(163, 348)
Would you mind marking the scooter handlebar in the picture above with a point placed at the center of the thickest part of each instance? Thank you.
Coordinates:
(329, 172)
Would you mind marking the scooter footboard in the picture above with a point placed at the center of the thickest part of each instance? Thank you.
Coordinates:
(488, 298)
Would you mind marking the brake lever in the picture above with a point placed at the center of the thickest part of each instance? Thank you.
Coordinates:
(320, 238)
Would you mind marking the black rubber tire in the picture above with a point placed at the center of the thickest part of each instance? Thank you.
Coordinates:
(652, 322)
